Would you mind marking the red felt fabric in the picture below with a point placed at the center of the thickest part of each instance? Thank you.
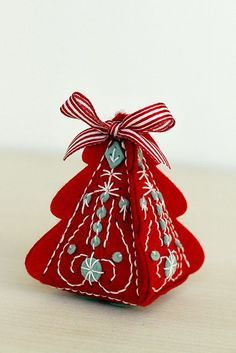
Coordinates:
(138, 279)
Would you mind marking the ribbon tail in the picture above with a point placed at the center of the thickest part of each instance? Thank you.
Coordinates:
(85, 138)
(151, 148)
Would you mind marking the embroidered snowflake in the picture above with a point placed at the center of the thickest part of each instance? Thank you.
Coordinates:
(111, 174)
(107, 188)
(149, 187)
(143, 174)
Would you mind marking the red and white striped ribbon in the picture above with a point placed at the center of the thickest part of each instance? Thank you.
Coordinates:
(154, 118)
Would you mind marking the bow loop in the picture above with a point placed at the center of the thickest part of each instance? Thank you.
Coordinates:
(77, 106)
(154, 118)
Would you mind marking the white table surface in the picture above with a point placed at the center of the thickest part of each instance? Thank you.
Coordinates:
(198, 316)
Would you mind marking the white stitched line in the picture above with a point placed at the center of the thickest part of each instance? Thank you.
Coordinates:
(176, 236)
(111, 172)
(158, 267)
(180, 266)
(130, 262)
(73, 215)
(132, 222)
(158, 289)
(106, 190)
(113, 268)
(85, 203)
(169, 278)
(144, 207)
(171, 230)
(148, 235)
(123, 209)
(109, 223)
(98, 222)
(72, 262)
(92, 219)
(144, 174)
(156, 221)
(97, 295)
(60, 256)
(165, 210)
(166, 279)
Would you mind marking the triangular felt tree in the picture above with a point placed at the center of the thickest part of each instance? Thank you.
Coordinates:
(118, 238)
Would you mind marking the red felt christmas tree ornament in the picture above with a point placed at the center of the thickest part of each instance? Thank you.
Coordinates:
(118, 238)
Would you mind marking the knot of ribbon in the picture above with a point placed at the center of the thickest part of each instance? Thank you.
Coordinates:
(133, 127)
(114, 128)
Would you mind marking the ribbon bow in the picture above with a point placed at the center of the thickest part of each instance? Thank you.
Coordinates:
(154, 118)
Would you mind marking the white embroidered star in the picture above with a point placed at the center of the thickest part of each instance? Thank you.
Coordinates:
(107, 188)
(111, 174)
(143, 174)
(149, 187)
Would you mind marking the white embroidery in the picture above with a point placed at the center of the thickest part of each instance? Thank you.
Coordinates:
(111, 174)
(144, 206)
(92, 220)
(130, 263)
(107, 188)
(110, 188)
(149, 187)
(172, 264)
(74, 259)
(109, 223)
(170, 277)
(123, 208)
(132, 222)
(142, 174)
(113, 268)
(85, 203)
(148, 235)
(156, 222)
(97, 295)
(72, 217)
(62, 252)
(88, 266)
(167, 217)
(176, 236)
(170, 230)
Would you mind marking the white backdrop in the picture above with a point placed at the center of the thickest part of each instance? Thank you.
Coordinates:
(123, 55)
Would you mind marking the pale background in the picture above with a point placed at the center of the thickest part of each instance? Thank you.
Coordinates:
(123, 55)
